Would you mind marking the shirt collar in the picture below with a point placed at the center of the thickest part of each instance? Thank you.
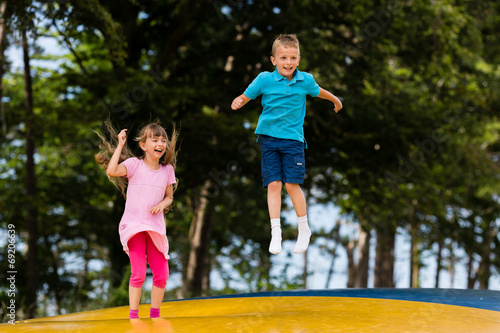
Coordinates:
(298, 76)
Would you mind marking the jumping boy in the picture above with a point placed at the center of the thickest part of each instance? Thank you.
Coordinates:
(281, 135)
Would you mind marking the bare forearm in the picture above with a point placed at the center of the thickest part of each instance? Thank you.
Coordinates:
(325, 94)
(167, 201)
(115, 169)
(239, 102)
(114, 161)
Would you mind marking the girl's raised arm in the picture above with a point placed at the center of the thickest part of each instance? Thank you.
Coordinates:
(114, 169)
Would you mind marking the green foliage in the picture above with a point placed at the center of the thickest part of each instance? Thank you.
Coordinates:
(417, 139)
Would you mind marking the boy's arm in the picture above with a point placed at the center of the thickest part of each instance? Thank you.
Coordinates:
(239, 101)
(325, 94)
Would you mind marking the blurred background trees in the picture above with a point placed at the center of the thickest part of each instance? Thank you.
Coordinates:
(414, 150)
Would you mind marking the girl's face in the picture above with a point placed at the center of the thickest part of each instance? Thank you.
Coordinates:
(154, 147)
(286, 60)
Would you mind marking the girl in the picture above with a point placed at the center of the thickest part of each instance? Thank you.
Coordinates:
(149, 180)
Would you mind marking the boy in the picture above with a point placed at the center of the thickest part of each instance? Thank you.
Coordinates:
(281, 135)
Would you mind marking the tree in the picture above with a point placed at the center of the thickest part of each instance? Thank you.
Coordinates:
(412, 150)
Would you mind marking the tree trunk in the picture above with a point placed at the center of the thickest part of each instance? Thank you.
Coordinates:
(205, 282)
(199, 236)
(414, 260)
(484, 271)
(384, 260)
(352, 267)
(336, 239)
(263, 274)
(358, 272)
(31, 207)
(361, 280)
(3, 34)
(471, 279)
(439, 260)
(117, 257)
(451, 268)
(185, 18)
(331, 269)
(3, 6)
(305, 268)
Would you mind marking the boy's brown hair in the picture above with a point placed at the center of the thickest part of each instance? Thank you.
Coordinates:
(285, 40)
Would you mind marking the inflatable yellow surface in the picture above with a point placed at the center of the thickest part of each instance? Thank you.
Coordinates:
(349, 310)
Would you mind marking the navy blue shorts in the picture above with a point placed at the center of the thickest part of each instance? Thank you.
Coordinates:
(282, 159)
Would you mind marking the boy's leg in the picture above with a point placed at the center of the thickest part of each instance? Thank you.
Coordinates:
(274, 199)
(272, 179)
(274, 206)
(292, 153)
(304, 235)
(299, 204)
(298, 198)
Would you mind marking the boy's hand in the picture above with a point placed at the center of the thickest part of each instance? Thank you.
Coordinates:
(338, 106)
(325, 94)
(238, 102)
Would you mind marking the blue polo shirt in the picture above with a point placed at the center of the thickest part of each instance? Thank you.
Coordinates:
(283, 102)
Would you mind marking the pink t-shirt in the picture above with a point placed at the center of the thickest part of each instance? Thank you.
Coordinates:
(145, 189)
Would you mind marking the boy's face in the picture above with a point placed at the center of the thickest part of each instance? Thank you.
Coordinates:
(286, 60)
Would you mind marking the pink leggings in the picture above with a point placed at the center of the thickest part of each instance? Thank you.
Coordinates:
(142, 250)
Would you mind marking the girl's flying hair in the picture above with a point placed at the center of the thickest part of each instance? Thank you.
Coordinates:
(108, 147)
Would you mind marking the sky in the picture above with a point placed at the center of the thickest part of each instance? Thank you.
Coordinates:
(15, 54)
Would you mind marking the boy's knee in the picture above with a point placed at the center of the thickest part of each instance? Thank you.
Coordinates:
(291, 187)
(275, 186)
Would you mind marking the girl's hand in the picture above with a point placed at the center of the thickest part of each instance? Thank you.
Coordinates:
(122, 137)
(158, 208)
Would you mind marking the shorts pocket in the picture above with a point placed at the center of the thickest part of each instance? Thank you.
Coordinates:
(299, 162)
(299, 166)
